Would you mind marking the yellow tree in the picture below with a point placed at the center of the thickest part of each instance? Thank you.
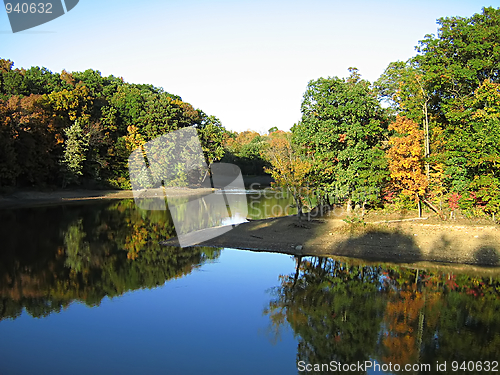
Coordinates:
(69, 106)
(406, 159)
(288, 168)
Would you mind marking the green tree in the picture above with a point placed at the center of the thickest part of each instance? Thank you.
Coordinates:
(75, 153)
(41, 80)
(465, 52)
(12, 81)
(341, 130)
(477, 142)
(211, 134)
(455, 63)
(164, 113)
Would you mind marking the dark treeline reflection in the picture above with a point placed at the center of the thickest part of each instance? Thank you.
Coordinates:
(349, 313)
(52, 256)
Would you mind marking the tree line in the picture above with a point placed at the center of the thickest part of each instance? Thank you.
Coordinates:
(72, 128)
(79, 128)
(426, 132)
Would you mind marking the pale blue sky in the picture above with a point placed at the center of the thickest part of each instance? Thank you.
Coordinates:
(246, 62)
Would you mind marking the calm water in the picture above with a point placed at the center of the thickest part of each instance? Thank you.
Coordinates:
(87, 289)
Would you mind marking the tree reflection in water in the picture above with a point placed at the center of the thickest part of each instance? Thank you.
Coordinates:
(349, 312)
(54, 256)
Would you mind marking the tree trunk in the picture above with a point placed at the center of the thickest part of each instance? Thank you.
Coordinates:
(427, 140)
(431, 206)
(419, 208)
(427, 146)
(349, 206)
(207, 173)
(299, 208)
(297, 269)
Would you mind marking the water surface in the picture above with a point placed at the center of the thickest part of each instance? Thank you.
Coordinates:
(86, 288)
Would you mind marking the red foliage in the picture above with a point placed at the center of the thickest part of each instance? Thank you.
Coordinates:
(453, 201)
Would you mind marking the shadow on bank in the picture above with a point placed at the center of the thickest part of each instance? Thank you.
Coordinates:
(487, 255)
(447, 249)
(381, 246)
(320, 237)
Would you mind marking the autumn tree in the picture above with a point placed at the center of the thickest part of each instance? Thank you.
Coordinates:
(245, 150)
(442, 89)
(405, 158)
(404, 86)
(9, 169)
(289, 168)
(30, 140)
(66, 107)
(38, 111)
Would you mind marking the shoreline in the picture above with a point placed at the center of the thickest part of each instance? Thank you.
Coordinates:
(399, 242)
(24, 199)
(35, 198)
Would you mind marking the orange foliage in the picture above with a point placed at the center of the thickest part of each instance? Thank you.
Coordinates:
(68, 78)
(406, 158)
(241, 139)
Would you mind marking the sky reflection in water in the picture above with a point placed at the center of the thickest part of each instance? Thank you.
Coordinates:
(209, 322)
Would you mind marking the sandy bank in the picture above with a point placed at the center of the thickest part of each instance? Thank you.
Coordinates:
(407, 242)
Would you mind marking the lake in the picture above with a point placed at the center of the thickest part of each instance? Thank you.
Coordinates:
(85, 288)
